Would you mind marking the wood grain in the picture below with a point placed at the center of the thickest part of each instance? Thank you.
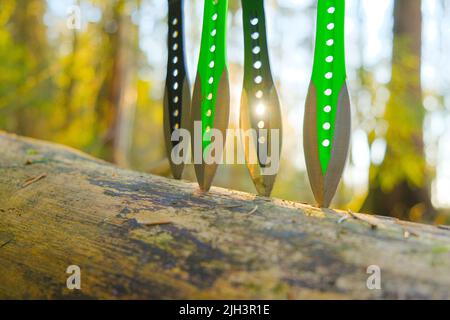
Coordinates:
(140, 236)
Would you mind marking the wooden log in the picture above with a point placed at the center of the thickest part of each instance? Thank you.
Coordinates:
(135, 235)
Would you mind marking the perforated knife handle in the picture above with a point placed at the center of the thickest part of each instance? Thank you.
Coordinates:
(257, 73)
(177, 97)
(260, 106)
(258, 82)
(212, 62)
(329, 73)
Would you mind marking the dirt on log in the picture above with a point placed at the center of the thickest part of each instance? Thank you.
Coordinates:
(135, 235)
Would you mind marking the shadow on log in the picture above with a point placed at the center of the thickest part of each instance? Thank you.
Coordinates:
(140, 236)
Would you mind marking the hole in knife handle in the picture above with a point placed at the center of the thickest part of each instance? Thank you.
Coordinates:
(255, 35)
(258, 79)
(260, 109)
(211, 61)
(263, 150)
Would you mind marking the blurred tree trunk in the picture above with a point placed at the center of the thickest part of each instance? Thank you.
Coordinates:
(30, 35)
(115, 106)
(399, 186)
(68, 92)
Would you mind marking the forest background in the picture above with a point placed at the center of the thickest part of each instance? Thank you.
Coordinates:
(96, 84)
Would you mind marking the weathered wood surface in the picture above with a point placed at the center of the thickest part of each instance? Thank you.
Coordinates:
(140, 236)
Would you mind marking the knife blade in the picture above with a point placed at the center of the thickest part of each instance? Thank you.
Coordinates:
(327, 121)
(260, 106)
(211, 97)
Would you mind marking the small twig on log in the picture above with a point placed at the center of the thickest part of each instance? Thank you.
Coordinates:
(6, 243)
(357, 217)
(156, 223)
(444, 227)
(230, 206)
(407, 233)
(342, 219)
(252, 211)
(33, 180)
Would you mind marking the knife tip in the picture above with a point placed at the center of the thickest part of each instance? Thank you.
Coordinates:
(205, 186)
(205, 175)
(264, 191)
(176, 176)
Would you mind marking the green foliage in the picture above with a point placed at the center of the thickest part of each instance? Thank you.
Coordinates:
(63, 88)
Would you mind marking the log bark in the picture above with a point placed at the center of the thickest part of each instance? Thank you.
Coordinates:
(135, 235)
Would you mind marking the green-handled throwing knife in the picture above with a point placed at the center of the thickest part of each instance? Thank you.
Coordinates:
(327, 111)
(260, 106)
(177, 94)
(211, 97)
